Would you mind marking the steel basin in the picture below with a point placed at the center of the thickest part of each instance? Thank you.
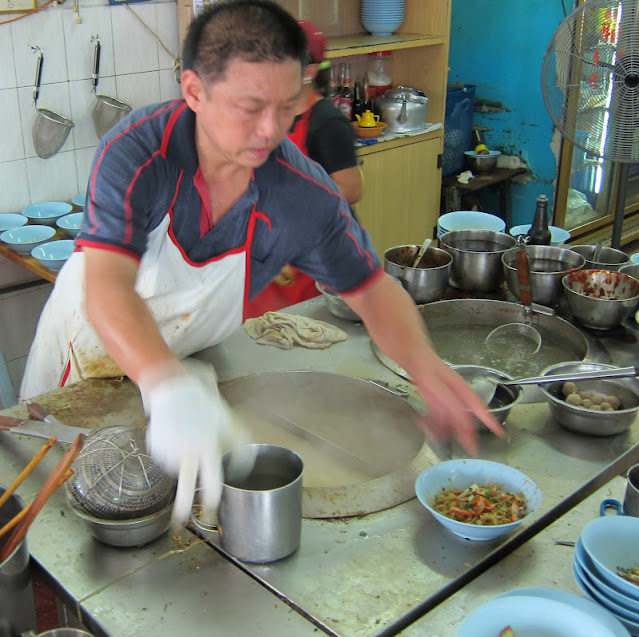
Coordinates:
(476, 258)
(548, 264)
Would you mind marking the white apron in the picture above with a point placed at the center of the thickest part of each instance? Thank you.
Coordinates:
(194, 306)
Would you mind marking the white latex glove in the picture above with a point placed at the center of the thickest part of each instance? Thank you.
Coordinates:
(188, 425)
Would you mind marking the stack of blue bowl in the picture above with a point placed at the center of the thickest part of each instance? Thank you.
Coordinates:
(382, 17)
(606, 545)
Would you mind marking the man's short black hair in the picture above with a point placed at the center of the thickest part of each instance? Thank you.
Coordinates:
(252, 30)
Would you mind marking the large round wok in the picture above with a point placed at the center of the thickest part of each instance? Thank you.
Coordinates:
(458, 329)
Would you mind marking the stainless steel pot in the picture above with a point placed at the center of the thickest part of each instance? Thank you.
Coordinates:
(425, 284)
(403, 109)
(548, 264)
(476, 258)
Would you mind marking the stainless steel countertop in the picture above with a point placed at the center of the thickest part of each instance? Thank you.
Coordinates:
(373, 575)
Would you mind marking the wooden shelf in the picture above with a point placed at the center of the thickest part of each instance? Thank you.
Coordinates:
(362, 43)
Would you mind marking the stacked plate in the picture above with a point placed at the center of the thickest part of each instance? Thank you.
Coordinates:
(605, 546)
(541, 611)
(382, 17)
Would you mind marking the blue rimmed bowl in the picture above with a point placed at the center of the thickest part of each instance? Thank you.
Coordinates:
(461, 474)
(53, 254)
(25, 238)
(46, 212)
(71, 223)
(9, 221)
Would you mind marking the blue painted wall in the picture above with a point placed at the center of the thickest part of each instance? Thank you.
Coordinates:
(499, 46)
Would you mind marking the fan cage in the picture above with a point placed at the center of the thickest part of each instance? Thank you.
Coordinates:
(590, 79)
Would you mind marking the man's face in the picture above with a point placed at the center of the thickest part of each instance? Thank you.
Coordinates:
(244, 116)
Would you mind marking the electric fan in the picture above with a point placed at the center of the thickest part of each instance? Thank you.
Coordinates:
(590, 85)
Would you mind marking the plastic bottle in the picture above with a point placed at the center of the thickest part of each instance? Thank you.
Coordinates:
(539, 233)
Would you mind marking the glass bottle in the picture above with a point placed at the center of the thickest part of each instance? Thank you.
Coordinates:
(367, 104)
(358, 102)
(346, 94)
(340, 83)
(539, 233)
(333, 91)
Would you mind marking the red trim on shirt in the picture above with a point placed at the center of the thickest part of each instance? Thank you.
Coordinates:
(105, 246)
(128, 210)
(250, 231)
(206, 214)
(90, 208)
(169, 129)
(368, 281)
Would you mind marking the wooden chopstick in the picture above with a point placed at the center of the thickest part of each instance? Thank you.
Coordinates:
(43, 495)
(16, 518)
(27, 470)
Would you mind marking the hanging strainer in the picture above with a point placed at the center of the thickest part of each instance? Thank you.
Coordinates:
(49, 130)
(115, 479)
(107, 111)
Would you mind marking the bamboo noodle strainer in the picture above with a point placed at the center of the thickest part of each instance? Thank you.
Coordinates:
(50, 130)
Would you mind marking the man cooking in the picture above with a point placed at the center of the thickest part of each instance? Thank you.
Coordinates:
(193, 207)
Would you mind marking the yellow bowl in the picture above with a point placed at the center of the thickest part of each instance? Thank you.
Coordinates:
(368, 132)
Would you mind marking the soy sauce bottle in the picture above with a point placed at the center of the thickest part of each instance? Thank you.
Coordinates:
(539, 233)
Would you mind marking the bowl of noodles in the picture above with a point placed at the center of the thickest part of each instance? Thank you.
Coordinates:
(477, 499)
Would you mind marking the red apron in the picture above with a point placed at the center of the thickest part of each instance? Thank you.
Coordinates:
(290, 286)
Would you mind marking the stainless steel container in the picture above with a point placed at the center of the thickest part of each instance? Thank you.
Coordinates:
(17, 609)
(336, 305)
(608, 259)
(404, 110)
(476, 258)
(505, 397)
(426, 283)
(548, 264)
(587, 421)
(260, 515)
(601, 299)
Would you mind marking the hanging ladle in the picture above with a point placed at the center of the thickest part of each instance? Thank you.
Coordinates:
(422, 252)
(524, 335)
(485, 386)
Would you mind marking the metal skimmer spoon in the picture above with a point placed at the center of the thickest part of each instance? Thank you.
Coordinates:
(524, 335)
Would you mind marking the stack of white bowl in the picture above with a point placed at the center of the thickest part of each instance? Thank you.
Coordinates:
(382, 17)
(604, 545)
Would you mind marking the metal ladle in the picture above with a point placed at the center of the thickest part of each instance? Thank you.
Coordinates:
(526, 337)
(485, 386)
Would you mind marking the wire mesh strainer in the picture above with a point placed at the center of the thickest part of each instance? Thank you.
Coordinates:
(115, 479)
(49, 130)
(107, 111)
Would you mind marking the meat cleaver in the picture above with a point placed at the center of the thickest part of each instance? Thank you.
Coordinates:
(45, 426)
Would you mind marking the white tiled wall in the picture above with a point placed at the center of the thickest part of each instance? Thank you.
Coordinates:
(134, 68)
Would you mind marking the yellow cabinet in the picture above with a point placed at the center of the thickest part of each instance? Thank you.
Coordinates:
(401, 194)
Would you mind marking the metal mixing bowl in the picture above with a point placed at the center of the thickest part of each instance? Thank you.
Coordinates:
(588, 421)
(601, 299)
(608, 259)
(336, 305)
(426, 283)
(506, 396)
(548, 265)
(476, 258)
(482, 164)
(632, 269)
(127, 533)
